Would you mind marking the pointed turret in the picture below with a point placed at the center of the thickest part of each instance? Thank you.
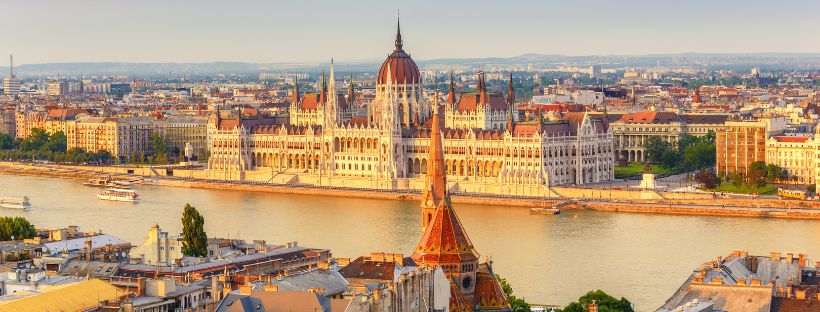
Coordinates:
(399, 43)
(444, 241)
(482, 89)
(295, 96)
(696, 98)
(435, 194)
(451, 97)
(510, 92)
(332, 81)
(323, 92)
(351, 92)
(511, 121)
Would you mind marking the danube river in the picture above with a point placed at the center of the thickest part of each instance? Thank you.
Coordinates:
(547, 259)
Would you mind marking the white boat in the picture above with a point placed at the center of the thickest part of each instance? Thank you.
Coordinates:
(119, 194)
(15, 202)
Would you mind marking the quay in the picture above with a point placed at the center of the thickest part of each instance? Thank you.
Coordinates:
(581, 198)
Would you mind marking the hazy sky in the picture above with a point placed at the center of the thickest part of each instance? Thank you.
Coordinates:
(45, 31)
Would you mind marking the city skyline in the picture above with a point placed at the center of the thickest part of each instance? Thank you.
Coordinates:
(294, 32)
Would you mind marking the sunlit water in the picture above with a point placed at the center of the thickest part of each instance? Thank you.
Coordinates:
(548, 259)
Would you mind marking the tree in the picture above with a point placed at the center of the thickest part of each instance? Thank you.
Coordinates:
(708, 178)
(194, 238)
(6, 141)
(655, 147)
(16, 227)
(57, 142)
(670, 158)
(517, 304)
(605, 302)
(811, 188)
(773, 173)
(699, 155)
(757, 173)
(687, 140)
(736, 178)
(160, 144)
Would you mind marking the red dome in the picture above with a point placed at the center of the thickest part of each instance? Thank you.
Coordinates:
(402, 68)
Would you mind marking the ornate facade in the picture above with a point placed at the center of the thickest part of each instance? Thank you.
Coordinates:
(486, 149)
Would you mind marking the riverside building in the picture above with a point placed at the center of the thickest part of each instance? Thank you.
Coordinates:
(486, 148)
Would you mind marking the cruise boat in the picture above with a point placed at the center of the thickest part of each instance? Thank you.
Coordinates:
(15, 202)
(119, 194)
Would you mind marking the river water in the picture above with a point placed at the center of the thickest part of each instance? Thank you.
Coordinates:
(547, 259)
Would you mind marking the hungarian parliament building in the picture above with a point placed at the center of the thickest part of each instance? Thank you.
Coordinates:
(487, 148)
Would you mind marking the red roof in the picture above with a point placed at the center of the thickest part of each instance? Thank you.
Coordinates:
(469, 102)
(651, 117)
(403, 69)
(791, 139)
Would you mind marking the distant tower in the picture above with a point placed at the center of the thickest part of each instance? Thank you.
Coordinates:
(10, 85)
(696, 98)
(351, 93)
(80, 91)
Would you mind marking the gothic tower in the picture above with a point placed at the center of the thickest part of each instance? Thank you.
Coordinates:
(444, 242)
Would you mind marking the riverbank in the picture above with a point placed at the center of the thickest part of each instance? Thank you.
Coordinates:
(587, 199)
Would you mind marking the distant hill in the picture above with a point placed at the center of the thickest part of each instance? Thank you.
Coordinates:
(713, 60)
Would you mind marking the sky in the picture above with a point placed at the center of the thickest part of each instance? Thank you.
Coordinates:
(276, 31)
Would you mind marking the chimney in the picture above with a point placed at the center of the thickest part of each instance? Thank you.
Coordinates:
(789, 257)
(801, 260)
(271, 288)
(741, 281)
(245, 289)
(774, 256)
(717, 280)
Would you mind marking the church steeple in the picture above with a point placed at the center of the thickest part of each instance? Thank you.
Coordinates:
(351, 92)
(323, 92)
(696, 98)
(451, 98)
(295, 99)
(399, 43)
(482, 89)
(444, 242)
(511, 92)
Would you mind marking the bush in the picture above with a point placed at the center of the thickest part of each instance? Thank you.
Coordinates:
(605, 302)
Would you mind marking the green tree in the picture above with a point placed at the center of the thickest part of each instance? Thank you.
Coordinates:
(773, 172)
(35, 141)
(16, 227)
(699, 155)
(757, 173)
(605, 302)
(517, 304)
(687, 140)
(194, 238)
(655, 147)
(6, 141)
(57, 142)
(669, 158)
(736, 178)
(159, 144)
